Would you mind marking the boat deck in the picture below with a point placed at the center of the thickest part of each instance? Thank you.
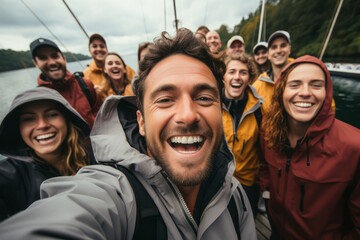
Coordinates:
(263, 229)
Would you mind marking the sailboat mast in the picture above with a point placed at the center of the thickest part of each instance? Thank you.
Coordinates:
(331, 29)
(176, 20)
(261, 19)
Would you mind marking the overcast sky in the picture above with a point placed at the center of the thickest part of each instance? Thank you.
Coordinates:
(123, 23)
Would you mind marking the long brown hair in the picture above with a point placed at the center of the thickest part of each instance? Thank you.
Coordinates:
(107, 84)
(275, 123)
(76, 155)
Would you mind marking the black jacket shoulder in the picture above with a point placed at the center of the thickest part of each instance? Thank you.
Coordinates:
(20, 184)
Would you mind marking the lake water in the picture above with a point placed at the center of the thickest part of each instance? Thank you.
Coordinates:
(17, 81)
(346, 91)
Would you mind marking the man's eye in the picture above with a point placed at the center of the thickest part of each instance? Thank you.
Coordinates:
(244, 73)
(164, 102)
(205, 101)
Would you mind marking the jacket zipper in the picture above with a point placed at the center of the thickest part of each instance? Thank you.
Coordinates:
(242, 150)
(288, 158)
(234, 133)
(285, 181)
(302, 195)
(182, 202)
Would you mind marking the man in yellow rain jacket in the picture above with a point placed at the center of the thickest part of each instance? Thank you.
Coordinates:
(242, 113)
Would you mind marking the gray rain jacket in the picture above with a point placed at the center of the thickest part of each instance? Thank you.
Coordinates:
(20, 175)
(98, 203)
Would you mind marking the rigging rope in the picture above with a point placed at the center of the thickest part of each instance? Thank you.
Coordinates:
(176, 20)
(76, 19)
(340, 2)
(206, 9)
(142, 10)
(164, 15)
(77, 60)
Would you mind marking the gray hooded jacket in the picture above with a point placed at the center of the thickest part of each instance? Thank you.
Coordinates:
(98, 203)
(20, 175)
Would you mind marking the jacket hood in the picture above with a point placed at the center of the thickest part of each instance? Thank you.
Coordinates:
(115, 137)
(11, 143)
(326, 116)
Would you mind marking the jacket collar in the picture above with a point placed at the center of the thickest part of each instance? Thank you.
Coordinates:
(94, 68)
(44, 82)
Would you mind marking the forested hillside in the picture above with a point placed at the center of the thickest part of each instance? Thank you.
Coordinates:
(308, 23)
(11, 60)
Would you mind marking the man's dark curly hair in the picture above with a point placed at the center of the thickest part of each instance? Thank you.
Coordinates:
(185, 43)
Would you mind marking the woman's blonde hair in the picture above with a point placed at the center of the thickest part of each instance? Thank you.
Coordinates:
(76, 155)
(107, 84)
(275, 122)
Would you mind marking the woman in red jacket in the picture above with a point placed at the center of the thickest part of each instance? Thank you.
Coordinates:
(312, 160)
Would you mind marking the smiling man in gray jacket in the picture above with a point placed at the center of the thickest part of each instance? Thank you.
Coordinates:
(173, 142)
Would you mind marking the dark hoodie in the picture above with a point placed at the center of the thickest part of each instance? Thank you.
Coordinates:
(315, 187)
(20, 175)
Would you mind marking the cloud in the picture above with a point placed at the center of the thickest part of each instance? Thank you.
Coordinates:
(123, 23)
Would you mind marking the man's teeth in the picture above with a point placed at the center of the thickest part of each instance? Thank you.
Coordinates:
(236, 85)
(187, 140)
(45, 136)
(304, 105)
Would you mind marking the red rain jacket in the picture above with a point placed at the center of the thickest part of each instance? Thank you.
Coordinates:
(315, 192)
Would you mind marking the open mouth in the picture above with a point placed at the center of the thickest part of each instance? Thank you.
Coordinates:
(45, 137)
(236, 85)
(303, 104)
(100, 54)
(279, 57)
(115, 71)
(186, 144)
(54, 69)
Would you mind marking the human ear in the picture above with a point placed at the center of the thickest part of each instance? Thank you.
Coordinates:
(141, 123)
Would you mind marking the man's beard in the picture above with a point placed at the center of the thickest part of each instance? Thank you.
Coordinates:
(181, 180)
(47, 76)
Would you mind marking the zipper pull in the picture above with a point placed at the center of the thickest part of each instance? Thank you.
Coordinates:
(288, 153)
(287, 164)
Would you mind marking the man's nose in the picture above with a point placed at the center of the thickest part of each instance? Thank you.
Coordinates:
(51, 61)
(186, 111)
